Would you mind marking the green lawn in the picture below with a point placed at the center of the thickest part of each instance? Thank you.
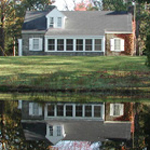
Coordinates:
(77, 73)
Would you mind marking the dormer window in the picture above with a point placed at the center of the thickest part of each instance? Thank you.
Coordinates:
(56, 130)
(59, 22)
(51, 25)
(55, 19)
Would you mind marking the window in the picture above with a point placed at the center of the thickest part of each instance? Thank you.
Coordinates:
(69, 44)
(35, 109)
(79, 44)
(98, 44)
(88, 111)
(51, 44)
(88, 44)
(74, 110)
(97, 111)
(59, 22)
(60, 44)
(51, 110)
(35, 44)
(60, 110)
(116, 109)
(51, 131)
(79, 111)
(69, 110)
(51, 25)
(59, 130)
(55, 130)
(117, 44)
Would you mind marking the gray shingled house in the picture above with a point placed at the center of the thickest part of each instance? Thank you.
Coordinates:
(53, 32)
(63, 121)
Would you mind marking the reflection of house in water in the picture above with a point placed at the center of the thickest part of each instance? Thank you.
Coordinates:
(89, 122)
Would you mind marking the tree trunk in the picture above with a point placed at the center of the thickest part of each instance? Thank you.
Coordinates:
(14, 47)
(138, 22)
(136, 124)
(2, 37)
(2, 124)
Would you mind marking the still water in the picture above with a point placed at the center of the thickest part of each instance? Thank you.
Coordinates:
(79, 125)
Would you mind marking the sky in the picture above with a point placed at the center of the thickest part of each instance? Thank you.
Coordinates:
(61, 4)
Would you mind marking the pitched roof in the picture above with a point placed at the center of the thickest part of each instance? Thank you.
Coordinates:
(81, 130)
(82, 22)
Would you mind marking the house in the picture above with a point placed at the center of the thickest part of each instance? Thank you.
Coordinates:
(59, 122)
(54, 32)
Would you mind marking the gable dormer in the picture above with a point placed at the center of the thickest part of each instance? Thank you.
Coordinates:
(55, 19)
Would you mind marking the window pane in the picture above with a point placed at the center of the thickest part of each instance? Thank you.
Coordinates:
(79, 45)
(88, 111)
(98, 44)
(69, 44)
(60, 44)
(51, 22)
(51, 110)
(59, 130)
(59, 22)
(78, 111)
(69, 111)
(35, 109)
(116, 110)
(51, 44)
(60, 110)
(88, 44)
(51, 130)
(97, 111)
(35, 44)
(117, 44)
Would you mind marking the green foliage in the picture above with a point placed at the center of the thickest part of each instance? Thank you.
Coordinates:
(12, 14)
(116, 5)
(148, 50)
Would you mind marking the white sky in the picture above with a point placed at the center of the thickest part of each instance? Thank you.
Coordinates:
(61, 4)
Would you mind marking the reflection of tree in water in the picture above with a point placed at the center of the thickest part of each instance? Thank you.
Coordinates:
(98, 4)
(144, 126)
(12, 136)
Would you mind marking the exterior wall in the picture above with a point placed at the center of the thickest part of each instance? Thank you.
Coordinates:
(25, 43)
(129, 44)
(27, 52)
(127, 115)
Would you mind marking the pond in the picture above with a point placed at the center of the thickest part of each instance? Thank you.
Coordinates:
(74, 122)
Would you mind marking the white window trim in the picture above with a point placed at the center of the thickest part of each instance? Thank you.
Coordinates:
(74, 44)
(31, 48)
(112, 45)
(55, 130)
(74, 111)
(121, 106)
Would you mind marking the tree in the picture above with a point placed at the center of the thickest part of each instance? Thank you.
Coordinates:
(36, 4)
(11, 19)
(116, 5)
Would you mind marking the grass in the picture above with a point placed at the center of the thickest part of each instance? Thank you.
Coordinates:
(73, 73)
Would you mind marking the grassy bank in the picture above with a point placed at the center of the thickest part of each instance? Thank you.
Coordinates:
(80, 73)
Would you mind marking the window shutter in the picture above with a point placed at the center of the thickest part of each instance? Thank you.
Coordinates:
(122, 44)
(111, 109)
(40, 44)
(112, 45)
(30, 108)
(40, 111)
(121, 109)
(30, 44)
